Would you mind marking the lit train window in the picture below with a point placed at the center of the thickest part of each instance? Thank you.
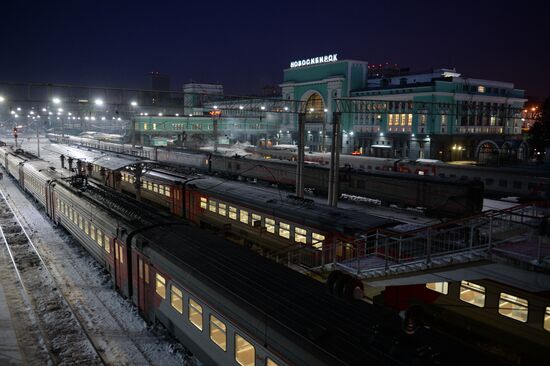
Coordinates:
(441, 287)
(300, 235)
(218, 332)
(92, 232)
(212, 205)
(270, 225)
(160, 286)
(86, 228)
(146, 272)
(317, 240)
(513, 307)
(256, 218)
(176, 300)
(472, 293)
(222, 209)
(245, 354)
(99, 237)
(270, 362)
(80, 222)
(284, 230)
(167, 191)
(203, 202)
(244, 216)
(195, 314)
(547, 319)
(155, 187)
(232, 213)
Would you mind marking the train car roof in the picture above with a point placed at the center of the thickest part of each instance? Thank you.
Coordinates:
(355, 333)
(280, 204)
(107, 161)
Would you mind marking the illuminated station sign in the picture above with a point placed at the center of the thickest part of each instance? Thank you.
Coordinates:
(314, 60)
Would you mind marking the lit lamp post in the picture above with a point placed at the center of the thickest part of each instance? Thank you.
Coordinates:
(133, 105)
(57, 101)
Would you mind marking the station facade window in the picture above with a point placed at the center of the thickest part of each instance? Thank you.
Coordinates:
(176, 299)
(441, 287)
(245, 354)
(218, 332)
(472, 293)
(195, 314)
(160, 286)
(513, 307)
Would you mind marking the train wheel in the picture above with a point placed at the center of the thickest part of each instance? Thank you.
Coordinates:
(353, 290)
(332, 277)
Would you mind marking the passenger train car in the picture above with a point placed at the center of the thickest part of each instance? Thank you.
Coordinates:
(497, 315)
(529, 184)
(228, 305)
(440, 197)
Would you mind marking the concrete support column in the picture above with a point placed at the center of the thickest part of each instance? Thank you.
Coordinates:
(334, 161)
(300, 157)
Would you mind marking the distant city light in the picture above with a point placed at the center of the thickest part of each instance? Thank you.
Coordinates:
(190, 115)
(262, 108)
(31, 112)
(177, 114)
(351, 133)
(215, 107)
(70, 114)
(43, 109)
(325, 110)
(133, 103)
(103, 118)
(98, 102)
(18, 109)
(2, 99)
(60, 109)
(146, 114)
(381, 134)
(312, 109)
(160, 114)
(56, 100)
(86, 118)
(241, 107)
(118, 119)
(92, 118)
(12, 112)
(286, 108)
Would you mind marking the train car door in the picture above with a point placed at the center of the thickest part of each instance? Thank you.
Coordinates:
(119, 265)
(143, 284)
(177, 202)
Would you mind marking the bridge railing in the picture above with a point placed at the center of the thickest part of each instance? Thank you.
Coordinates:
(513, 232)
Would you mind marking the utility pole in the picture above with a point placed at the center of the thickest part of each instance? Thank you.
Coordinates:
(137, 175)
(300, 160)
(37, 140)
(133, 132)
(333, 178)
(215, 123)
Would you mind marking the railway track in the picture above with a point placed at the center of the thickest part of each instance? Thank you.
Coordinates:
(61, 330)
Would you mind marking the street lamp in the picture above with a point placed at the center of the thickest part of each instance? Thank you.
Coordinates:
(56, 100)
(2, 99)
(133, 103)
(98, 102)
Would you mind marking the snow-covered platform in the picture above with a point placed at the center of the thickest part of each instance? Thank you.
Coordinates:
(10, 353)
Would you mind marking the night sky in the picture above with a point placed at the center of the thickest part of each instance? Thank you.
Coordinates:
(246, 45)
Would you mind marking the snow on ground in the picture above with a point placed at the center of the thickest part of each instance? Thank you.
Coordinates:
(121, 332)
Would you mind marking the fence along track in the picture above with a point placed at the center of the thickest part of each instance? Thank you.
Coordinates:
(63, 332)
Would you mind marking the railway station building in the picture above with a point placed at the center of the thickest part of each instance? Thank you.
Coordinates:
(385, 112)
